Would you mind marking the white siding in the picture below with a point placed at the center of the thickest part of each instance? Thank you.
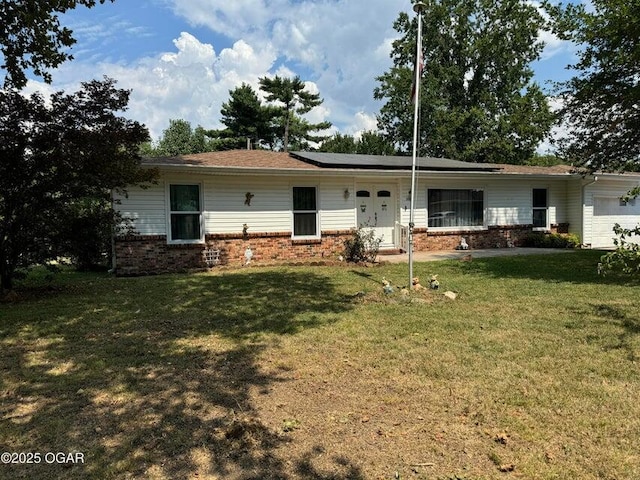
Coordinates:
(420, 214)
(574, 208)
(146, 208)
(508, 203)
(226, 211)
(336, 211)
(224, 205)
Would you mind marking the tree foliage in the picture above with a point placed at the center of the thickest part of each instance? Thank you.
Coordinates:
(374, 143)
(181, 139)
(478, 101)
(291, 100)
(31, 37)
(246, 118)
(602, 102)
(55, 153)
(370, 143)
(339, 143)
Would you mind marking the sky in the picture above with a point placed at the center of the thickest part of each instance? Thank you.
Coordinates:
(181, 58)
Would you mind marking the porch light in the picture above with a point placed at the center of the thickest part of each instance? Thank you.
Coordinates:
(346, 194)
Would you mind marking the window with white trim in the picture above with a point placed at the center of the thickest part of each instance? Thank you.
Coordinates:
(185, 213)
(305, 212)
(458, 209)
(540, 208)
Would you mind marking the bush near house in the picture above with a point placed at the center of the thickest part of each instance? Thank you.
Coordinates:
(362, 246)
(626, 257)
(550, 240)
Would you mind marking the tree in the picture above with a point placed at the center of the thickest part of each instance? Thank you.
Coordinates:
(546, 160)
(369, 143)
(246, 118)
(478, 101)
(180, 139)
(55, 153)
(602, 102)
(177, 139)
(291, 100)
(374, 143)
(339, 143)
(31, 37)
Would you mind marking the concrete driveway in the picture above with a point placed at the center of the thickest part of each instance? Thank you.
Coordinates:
(480, 253)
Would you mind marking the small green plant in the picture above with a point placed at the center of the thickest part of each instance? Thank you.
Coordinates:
(626, 257)
(363, 246)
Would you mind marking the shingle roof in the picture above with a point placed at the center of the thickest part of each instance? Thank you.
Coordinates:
(533, 170)
(265, 159)
(233, 159)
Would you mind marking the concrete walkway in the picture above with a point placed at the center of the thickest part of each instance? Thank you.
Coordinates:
(481, 253)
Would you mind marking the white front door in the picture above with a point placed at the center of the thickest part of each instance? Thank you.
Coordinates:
(376, 206)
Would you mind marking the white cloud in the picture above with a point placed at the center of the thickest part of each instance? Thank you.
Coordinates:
(363, 122)
(188, 83)
(340, 46)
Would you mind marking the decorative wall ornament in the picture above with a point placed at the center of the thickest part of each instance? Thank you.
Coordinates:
(363, 207)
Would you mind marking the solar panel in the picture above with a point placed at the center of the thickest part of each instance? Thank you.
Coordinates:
(384, 162)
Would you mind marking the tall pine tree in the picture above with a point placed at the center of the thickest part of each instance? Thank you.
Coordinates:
(292, 100)
(246, 118)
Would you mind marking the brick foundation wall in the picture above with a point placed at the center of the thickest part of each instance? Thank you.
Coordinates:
(150, 254)
(147, 255)
(493, 237)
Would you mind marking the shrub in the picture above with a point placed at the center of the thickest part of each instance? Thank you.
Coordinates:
(362, 246)
(550, 240)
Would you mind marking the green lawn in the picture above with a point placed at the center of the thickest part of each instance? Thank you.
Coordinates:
(312, 372)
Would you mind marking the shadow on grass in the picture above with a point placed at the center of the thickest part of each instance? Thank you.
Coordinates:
(157, 377)
(629, 324)
(574, 267)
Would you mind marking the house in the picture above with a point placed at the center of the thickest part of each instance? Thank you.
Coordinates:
(264, 206)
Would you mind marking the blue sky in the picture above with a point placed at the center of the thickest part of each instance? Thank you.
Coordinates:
(181, 57)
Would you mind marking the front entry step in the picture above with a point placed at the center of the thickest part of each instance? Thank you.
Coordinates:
(390, 251)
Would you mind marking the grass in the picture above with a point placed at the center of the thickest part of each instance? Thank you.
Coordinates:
(312, 372)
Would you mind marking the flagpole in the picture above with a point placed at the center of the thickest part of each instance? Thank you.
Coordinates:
(418, 8)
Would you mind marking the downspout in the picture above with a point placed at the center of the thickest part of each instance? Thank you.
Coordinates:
(584, 200)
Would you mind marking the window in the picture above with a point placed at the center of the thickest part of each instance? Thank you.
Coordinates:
(185, 213)
(305, 212)
(540, 208)
(455, 208)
